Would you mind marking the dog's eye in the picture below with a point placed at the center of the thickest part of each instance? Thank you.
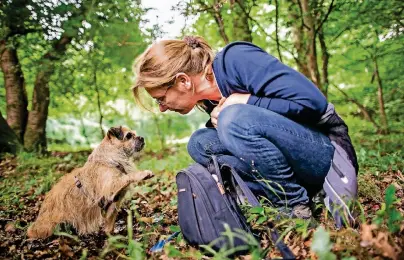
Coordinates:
(128, 136)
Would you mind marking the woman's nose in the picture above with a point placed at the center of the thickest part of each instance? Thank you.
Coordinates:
(163, 108)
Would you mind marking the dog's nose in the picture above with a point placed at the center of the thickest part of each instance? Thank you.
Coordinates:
(140, 138)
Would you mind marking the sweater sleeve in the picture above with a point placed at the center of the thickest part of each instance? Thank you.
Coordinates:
(272, 84)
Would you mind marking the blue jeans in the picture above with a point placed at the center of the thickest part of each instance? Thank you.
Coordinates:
(278, 158)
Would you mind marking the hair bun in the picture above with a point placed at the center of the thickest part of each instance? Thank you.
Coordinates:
(192, 42)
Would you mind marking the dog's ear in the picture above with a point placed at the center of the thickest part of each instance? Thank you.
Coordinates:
(115, 132)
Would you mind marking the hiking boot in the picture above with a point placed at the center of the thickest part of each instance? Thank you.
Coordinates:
(301, 211)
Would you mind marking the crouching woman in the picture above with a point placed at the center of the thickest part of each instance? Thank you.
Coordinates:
(267, 120)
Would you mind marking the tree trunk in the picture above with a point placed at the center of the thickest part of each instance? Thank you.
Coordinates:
(298, 38)
(309, 21)
(9, 142)
(241, 29)
(35, 134)
(380, 98)
(16, 95)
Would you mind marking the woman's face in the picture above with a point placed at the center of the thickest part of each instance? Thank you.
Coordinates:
(178, 97)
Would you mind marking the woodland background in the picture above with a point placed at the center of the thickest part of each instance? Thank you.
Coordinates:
(66, 70)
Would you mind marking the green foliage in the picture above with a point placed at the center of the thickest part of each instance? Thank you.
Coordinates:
(388, 213)
(226, 252)
(322, 245)
(170, 160)
(257, 213)
(377, 153)
(133, 248)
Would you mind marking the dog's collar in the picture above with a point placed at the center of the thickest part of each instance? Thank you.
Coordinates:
(120, 167)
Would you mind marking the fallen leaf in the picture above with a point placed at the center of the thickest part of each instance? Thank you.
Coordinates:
(367, 235)
(146, 220)
(10, 227)
(382, 243)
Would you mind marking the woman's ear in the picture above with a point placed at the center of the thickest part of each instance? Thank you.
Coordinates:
(184, 81)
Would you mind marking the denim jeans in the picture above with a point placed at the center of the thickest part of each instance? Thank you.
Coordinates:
(278, 158)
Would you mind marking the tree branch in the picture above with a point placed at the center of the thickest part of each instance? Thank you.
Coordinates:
(325, 17)
(301, 15)
(215, 11)
(361, 107)
(276, 29)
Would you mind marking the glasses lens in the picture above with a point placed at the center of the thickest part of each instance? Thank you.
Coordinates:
(159, 101)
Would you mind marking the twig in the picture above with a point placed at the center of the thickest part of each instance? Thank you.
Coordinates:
(325, 18)
(360, 106)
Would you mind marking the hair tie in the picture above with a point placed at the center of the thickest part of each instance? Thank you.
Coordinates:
(192, 42)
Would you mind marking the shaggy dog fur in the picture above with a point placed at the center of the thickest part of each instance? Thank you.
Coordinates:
(90, 196)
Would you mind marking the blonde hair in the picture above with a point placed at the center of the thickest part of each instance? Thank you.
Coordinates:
(159, 64)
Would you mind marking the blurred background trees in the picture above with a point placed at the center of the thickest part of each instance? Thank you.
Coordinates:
(67, 65)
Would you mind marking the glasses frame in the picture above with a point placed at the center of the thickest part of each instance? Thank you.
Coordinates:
(161, 100)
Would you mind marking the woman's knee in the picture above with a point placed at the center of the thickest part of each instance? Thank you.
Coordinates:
(231, 115)
(199, 143)
(237, 121)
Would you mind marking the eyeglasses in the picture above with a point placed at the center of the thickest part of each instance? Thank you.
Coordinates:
(160, 101)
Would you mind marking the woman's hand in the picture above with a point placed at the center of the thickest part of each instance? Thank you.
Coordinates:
(214, 115)
(236, 98)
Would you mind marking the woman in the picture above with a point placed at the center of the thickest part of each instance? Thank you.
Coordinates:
(264, 115)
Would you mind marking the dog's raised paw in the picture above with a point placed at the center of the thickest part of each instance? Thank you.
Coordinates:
(148, 174)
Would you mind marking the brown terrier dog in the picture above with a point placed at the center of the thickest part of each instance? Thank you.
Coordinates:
(91, 195)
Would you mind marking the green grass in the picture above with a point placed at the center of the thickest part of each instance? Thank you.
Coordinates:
(32, 176)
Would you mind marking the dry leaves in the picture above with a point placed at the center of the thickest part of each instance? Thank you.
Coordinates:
(370, 236)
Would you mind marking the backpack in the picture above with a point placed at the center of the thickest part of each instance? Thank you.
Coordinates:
(341, 183)
(208, 204)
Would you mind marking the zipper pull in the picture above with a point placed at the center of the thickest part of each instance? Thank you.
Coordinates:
(219, 185)
(221, 188)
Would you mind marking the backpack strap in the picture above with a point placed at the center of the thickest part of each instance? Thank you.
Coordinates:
(243, 186)
(282, 247)
(252, 199)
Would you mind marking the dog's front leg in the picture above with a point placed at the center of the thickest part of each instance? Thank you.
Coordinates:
(117, 188)
(112, 213)
(139, 176)
(117, 191)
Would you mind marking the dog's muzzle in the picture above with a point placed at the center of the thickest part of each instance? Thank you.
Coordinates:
(139, 143)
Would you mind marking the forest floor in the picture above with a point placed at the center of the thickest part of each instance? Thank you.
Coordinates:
(152, 214)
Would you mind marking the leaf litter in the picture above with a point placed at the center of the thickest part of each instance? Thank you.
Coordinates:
(155, 217)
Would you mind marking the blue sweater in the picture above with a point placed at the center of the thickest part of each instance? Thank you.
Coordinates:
(242, 67)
